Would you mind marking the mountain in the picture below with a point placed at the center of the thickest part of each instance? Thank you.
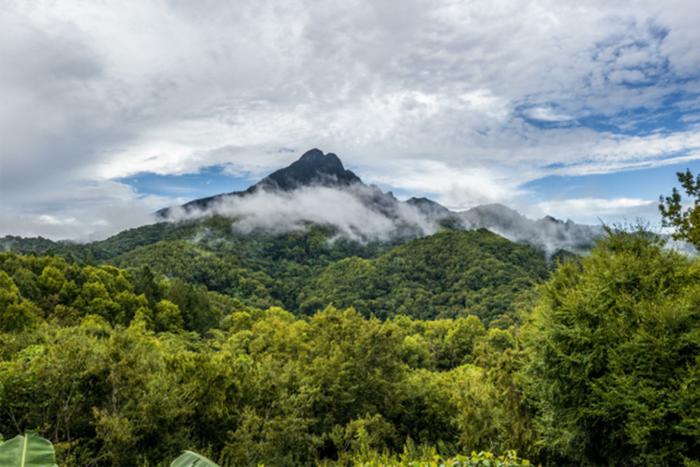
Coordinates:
(431, 209)
(314, 234)
(318, 190)
(415, 217)
(314, 225)
(548, 234)
(450, 274)
(313, 168)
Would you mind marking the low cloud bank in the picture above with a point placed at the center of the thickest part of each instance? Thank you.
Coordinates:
(608, 210)
(548, 234)
(358, 213)
(364, 213)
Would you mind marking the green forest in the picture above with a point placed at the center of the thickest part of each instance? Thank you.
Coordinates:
(460, 348)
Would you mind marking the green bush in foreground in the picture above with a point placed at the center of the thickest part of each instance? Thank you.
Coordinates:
(613, 346)
(32, 450)
(431, 459)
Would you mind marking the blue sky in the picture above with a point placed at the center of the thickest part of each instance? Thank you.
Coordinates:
(111, 110)
(205, 182)
(642, 183)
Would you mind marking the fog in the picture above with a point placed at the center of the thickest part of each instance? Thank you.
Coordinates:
(359, 213)
(364, 213)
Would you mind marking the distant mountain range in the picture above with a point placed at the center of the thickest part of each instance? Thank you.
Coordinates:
(314, 169)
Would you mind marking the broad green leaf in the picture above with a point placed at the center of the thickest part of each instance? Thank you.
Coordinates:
(29, 450)
(192, 459)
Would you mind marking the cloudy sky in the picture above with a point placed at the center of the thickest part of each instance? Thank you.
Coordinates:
(112, 109)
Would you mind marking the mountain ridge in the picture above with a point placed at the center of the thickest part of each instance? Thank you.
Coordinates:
(316, 169)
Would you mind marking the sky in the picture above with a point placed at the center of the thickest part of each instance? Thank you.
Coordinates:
(111, 109)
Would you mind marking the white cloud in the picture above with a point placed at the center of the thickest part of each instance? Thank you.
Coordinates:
(627, 76)
(87, 211)
(98, 90)
(456, 189)
(345, 209)
(547, 114)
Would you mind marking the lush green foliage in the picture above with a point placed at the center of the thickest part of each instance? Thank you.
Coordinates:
(221, 272)
(450, 274)
(428, 457)
(34, 289)
(270, 388)
(188, 348)
(28, 450)
(122, 382)
(453, 273)
(614, 357)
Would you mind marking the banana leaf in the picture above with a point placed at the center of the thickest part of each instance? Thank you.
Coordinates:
(192, 459)
(29, 450)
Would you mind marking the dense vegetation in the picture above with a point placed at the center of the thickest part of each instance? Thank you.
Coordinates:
(450, 274)
(613, 358)
(264, 387)
(130, 366)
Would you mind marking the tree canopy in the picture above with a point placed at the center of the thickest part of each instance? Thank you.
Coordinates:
(613, 357)
(454, 343)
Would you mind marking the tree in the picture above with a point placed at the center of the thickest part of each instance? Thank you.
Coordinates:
(105, 364)
(614, 357)
(168, 317)
(15, 312)
(686, 222)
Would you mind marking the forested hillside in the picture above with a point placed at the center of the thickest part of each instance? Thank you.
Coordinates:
(130, 367)
(446, 275)
(257, 266)
(449, 274)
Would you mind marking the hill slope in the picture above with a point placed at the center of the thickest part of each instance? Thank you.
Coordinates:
(449, 274)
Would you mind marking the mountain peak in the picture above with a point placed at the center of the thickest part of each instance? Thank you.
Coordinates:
(312, 168)
(312, 155)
